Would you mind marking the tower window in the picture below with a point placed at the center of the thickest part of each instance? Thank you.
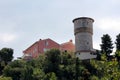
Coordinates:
(83, 24)
(87, 42)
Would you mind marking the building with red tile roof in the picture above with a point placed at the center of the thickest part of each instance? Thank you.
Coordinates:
(41, 46)
(68, 46)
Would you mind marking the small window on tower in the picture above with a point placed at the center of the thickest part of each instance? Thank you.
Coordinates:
(87, 43)
(83, 24)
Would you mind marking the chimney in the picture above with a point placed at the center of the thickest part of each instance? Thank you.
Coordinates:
(70, 40)
(40, 39)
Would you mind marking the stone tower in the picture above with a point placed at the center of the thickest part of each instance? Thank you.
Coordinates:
(83, 31)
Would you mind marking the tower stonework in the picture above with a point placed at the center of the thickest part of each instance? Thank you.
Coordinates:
(83, 31)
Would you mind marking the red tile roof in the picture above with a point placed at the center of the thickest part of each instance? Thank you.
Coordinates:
(68, 46)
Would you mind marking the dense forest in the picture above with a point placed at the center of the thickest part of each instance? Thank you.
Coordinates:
(56, 65)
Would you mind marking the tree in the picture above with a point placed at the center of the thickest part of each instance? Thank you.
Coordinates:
(94, 77)
(38, 74)
(77, 69)
(117, 55)
(106, 70)
(66, 58)
(117, 42)
(67, 67)
(27, 73)
(107, 45)
(50, 76)
(52, 61)
(14, 70)
(5, 78)
(6, 54)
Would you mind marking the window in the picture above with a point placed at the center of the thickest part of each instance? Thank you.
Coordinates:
(45, 49)
(87, 43)
(35, 50)
(46, 43)
(84, 23)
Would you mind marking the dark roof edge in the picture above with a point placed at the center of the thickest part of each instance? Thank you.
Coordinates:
(83, 18)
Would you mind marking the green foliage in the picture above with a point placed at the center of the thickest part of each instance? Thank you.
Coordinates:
(50, 76)
(69, 72)
(52, 61)
(103, 57)
(37, 66)
(94, 77)
(17, 63)
(67, 67)
(117, 42)
(66, 58)
(6, 54)
(106, 46)
(106, 69)
(2, 65)
(53, 55)
(38, 74)
(117, 53)
(5, 78)
(77, 69)
(62, 66)
(39, 62)
(85, 74)
(27, 73)
(14, 69)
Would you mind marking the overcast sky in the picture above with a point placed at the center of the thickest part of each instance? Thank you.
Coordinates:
(23, 22)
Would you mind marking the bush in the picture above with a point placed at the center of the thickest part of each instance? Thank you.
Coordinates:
(5, 78)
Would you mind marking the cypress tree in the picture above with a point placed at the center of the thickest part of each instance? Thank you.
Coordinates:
(107, 45)
(118, 42)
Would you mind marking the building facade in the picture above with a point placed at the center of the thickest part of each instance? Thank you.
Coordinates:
(41, 46)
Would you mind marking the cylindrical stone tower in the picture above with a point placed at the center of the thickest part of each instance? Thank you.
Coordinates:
(83, 31)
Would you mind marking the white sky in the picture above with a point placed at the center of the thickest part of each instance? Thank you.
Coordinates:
(22, 22)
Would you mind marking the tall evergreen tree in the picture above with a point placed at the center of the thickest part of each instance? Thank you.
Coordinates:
(118, 42)
(107, 45)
